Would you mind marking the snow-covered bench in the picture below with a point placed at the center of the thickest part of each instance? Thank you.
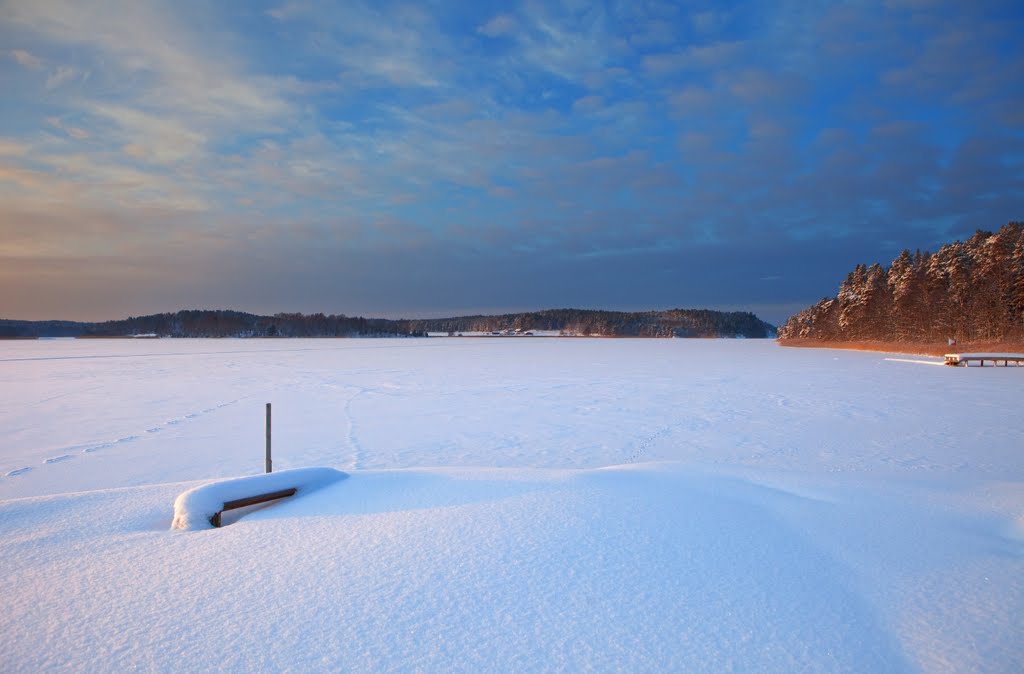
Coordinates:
(201, 507)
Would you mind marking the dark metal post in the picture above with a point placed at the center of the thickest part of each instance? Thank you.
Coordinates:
(268, 439)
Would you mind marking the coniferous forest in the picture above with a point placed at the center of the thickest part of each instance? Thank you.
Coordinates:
(221, 323)
(971, 291)
(668, 323)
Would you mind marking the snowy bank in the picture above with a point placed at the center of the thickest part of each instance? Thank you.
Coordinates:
(194, 508)
(653, 568)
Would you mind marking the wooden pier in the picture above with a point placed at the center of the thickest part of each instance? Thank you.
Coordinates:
(995, 359)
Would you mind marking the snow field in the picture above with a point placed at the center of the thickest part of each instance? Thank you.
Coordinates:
(539, 505)
(77, 415)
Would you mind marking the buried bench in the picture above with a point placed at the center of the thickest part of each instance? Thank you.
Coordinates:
(249, 501)
(201, 507)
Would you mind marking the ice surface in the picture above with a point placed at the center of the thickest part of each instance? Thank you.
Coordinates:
(513, 504)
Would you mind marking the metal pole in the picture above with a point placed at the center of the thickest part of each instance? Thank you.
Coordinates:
(268, 439)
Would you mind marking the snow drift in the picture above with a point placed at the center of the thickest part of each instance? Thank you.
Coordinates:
(194, 508)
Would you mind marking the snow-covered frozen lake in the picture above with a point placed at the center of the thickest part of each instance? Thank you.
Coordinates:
(513, 504)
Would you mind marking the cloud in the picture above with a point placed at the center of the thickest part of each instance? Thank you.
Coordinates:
(95, 180)
(375, 45)
(289, 10)
(159, 139)
(26, 59)
(695, 57)
(706, 21)
(588, 103)
(761, 86)
(23, 178)
(185, 74)
(73, 131)
(566, 41)
(654, 33)
(502, 24)
(13, 148)
(692, 100)
(60, 76)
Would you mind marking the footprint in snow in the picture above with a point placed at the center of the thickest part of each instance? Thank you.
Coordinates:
(18, 471)
(96, 448)
(127, 438)
(155, 429)
(58, 459)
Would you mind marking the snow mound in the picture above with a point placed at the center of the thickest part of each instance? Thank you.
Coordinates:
(194, 508)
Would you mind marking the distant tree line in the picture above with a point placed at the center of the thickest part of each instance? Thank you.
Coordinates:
(216, 323)
(970, 291)
(668, 323)
(221, 323)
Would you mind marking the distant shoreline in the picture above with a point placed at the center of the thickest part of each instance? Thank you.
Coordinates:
(5, 338)
(920, 348)
(230, 323)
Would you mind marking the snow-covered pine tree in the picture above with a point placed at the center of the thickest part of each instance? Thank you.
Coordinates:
(903, 290)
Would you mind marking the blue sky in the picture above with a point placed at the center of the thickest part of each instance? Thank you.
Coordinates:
(437, 158)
